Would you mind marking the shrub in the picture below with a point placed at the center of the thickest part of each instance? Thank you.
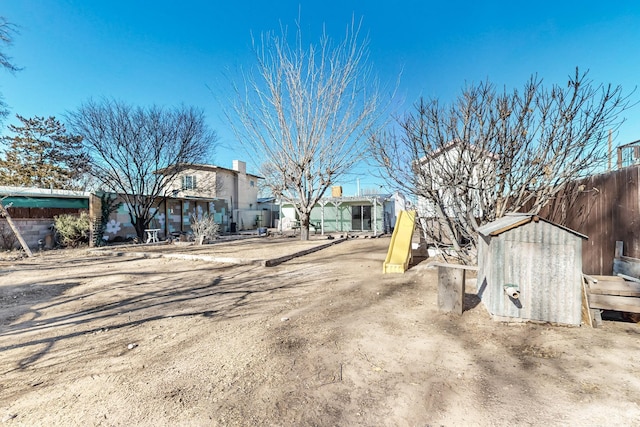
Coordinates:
(72, 229)
(204, 227)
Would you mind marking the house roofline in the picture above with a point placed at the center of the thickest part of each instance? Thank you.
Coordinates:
(452, 144)
(204, 167)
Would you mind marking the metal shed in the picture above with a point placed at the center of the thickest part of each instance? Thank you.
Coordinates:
(530, 269)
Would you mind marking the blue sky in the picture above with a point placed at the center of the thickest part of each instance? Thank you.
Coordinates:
(179, 52)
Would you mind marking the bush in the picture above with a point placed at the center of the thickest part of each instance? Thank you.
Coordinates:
(72, 229)
(204, 227)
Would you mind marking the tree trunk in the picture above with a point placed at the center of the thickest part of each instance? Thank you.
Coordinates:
(304, 226)
(140, 227)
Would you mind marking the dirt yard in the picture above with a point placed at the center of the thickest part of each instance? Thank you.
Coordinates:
(321, 340)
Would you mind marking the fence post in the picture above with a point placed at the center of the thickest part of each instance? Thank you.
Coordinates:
(451, 289)
(4, 213)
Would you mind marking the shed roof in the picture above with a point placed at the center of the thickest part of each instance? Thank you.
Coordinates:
(41, 192)
(379, 198)
(513, 220)
(32, 197)
(45, 202)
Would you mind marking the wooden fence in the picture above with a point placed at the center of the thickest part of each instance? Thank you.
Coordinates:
(40, 213)
(606, 210)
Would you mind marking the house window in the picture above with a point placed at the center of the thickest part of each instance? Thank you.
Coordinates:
(251, 183)
(189, 182)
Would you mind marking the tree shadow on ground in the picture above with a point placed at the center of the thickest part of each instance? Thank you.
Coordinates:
(181, 294)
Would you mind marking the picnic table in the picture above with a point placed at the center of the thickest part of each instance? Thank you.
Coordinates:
(152, 235)
(295, 225)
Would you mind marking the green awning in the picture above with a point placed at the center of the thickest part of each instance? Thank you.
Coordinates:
(45, 202)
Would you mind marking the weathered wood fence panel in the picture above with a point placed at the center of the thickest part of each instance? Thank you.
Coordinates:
(606, 210)
(451, 289)
(614, 293)
(25, 213)
(451, 286)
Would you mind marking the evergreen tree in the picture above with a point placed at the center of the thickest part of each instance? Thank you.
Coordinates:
(42, 154)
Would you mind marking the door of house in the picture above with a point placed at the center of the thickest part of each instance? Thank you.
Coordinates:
(361, 218)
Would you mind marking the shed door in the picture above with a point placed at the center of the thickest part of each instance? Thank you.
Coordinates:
(361, 218)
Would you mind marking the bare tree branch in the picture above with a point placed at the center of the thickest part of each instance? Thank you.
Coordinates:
(7, 31)
(129, 145)
(491, 153)
(306, 112)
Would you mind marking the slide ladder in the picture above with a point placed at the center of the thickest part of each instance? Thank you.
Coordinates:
(399, 253)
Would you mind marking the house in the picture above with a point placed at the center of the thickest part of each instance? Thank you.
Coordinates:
(337, 214)
(237, 187)
(172, 216)
(230, 195)
(457, 175)
(33, 211)
(628, 155)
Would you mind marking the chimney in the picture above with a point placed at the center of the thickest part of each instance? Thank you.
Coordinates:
(239, 166)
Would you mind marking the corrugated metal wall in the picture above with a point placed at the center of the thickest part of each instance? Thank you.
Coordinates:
(544, 262)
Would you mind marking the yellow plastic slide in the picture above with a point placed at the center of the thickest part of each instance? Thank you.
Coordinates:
(399, 252)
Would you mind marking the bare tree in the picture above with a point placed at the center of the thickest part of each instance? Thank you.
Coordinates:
(7, 31)
(129, 145)
(491, 153)
(306, 113)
